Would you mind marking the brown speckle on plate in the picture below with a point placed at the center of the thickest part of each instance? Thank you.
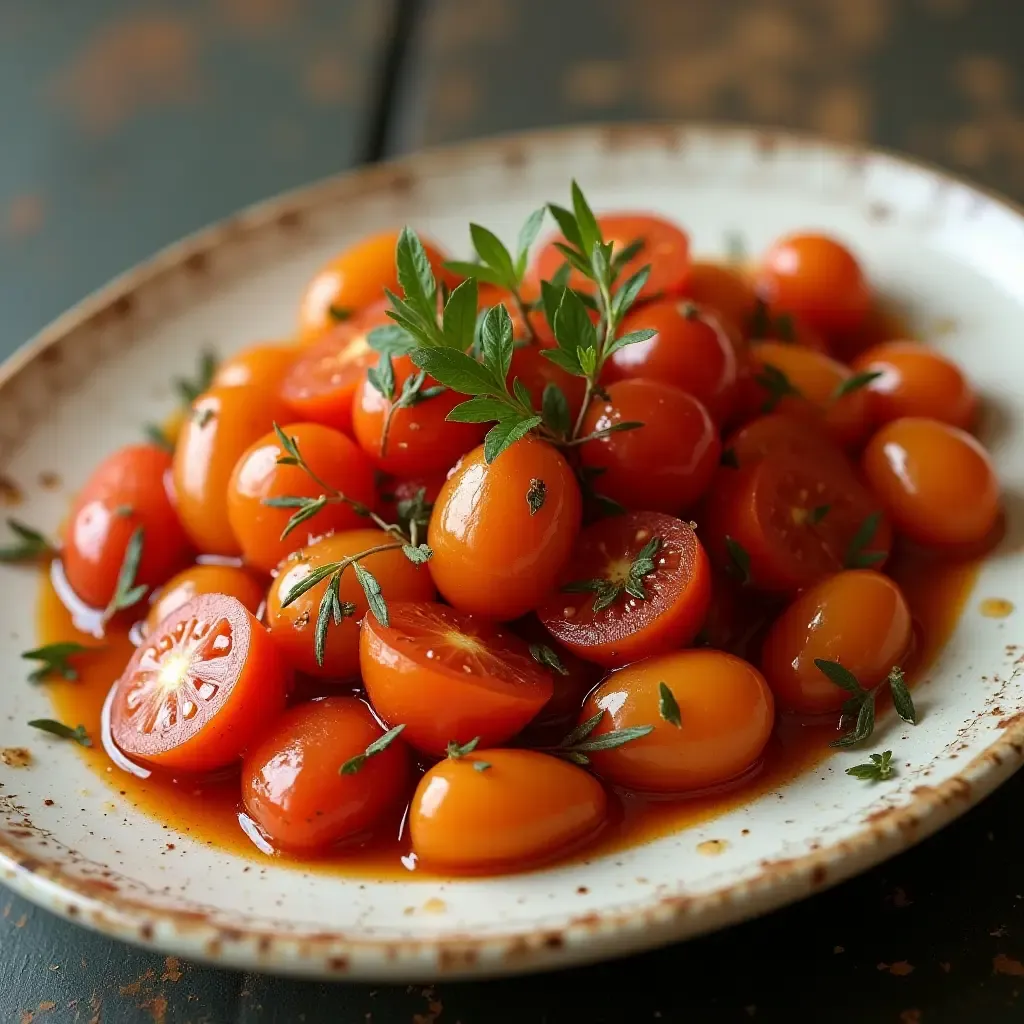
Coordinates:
(16, 757)
(995, 607)
(713, 847)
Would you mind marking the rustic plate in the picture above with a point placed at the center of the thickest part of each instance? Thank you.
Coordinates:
(952, 256)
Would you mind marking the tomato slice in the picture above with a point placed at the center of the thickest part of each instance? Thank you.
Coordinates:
(780, 434)
(678, 590)
(200, 689)
(785, 522)
(448, 676)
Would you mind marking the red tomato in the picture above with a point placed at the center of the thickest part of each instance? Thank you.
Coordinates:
(128, 491)
(503, 810)
(724, 289)
(693, 349)
(292, 786)
(726, 714)
(490, 295)
(203, 579)
(260, 366)
(201, 688)
(779, 434)
(535, 371)
(258, 476)
(663, 466)
(449, 677)
(602, 621)
(501, 532)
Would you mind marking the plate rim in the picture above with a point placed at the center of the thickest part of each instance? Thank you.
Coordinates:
(585, 938)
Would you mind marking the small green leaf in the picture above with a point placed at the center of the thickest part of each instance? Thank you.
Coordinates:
(544, 655)
(458, 371)
(492, 251)
(589, 231)
(55, 660)
(459, 319)
(624, 298)
(374, 597)
(574, 330)
(497, 343)
(582, 731)
(612, 740)
(777, 384)
(568, 361)
(382, 377)
(555, 409)
(391, 340)
(628, 252)
(62, 731)
(455, 750)
(306, 512)
(190, 390)
(480, 766)
(857, 557)
(818, 513)
(504, 434)
(31, 544)
(340, 314)
(476, 271)
(419, 554)
(415, 276)
(567, 225)
(483, 409)
(840, 676)
(878, 769)
(536, 495)
(901, 699)
(587, 358)
(378, 746)
(855, 383)
(865, 724)
(527, 236)
(126, 593)
(632, 338)
(739, 560)
(155, 435)
(668, 706)
(331, 609)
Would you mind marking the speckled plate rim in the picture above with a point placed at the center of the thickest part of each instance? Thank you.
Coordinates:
(585, 938)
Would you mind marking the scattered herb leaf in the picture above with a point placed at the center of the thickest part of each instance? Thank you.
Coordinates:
(855, 383)
(456, 750)
(378, 746)
(126, 592)
(739, 561)
(857, 557)
(877, 769)
(55, 661)
(544, 655)
(901, 699)
(31, 544)
(62, 731)
(536, 495)
(668, 707)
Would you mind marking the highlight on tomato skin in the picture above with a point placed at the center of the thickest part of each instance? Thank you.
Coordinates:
(261, 366)
(200, 689)
(503, 810)
(292, 786)
(449, 677)
(204, 579)
(858, 618)
(711, 728)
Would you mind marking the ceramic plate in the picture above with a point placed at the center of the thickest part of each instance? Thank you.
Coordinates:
(949, 255)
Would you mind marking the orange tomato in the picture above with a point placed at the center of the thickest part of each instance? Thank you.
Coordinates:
(203, 579)
(937, 483)
(200, 689)
(722, 288)
(726, 714)
(223, 423)
(535, 371)
(293, 789)
(260, 366)
(859, 618)
(449, 677)
(501, 532)
(293, 627)
(779, 434)
(258, 476)
(503, 810)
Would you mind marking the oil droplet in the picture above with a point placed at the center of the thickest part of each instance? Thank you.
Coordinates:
(435, 905)
(995, 607)
(713, 847)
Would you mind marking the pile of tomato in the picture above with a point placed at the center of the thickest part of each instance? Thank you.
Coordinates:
(500, 645)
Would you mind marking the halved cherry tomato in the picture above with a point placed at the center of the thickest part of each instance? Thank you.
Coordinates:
(502, 531)
(223, 423)
(663, 466)
(127, 491)
(449, 677)
(937, 483)
(535, 371)
(203, 579)
(258, 476)
(694, 349)
(784, 522)
(293, 628)
(293, 789)
(726, 714)
(603, 621)
(260, 366)
(200, 689)
(503, 810)
(816, 278)
(858, 618)
(392, 493)
(722, 288)
(916, 381)
(779, 434)
(666, 249)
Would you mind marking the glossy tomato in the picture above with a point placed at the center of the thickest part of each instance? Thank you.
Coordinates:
(724, 289)
(204, 579)
(779, 434)
(535, 371)
(259, 366)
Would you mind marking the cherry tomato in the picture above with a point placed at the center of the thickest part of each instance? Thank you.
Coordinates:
(129, 490)
(502, 531)
(260, 366)
(693, 349)
(293, 627)
(223, 423)
(200, 689)
(258, 476)
(784, 522)
(203, 579)
(726, 714)
(816, 278)
(392, 493)
(490, 295)
(936, 482)
(449, 677)
(417, 439)
(535, 371)
(602, 621)
(724, 289)
(293, 789)
(356, 279)
(916, 381)
(666, 249)
(663, 466)
(779, 434)
(786, 328)
(503, 810)
(858, 618)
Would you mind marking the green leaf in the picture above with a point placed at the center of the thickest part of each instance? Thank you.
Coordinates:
(64, 732)
(54, 660)
(555, 410)
(459, 319)
(642, 566)
(31, 544)
(126, 593)
(458, 371)
(544, 655)
(527, 236)
(339, 314)
(590, 232)
(632, 338)
(455, 750)
(739, 560)
(818, 513)
(505, 434)
(419, 554)
(414, 510)
(190, 389)
(901, 699)
(551, 299)
(582, 731)
(840, 676)
(382, 377)
(855, 383)
(483, 409)
(155, 435)
(492, 251)
(624, 298)
(415, 276)
(480, 766)
(536, 495)
(611, 740)
(378, 746)
(374, 597)
(878, 769)
(626, 253)
(865, 724)
(566, 222)
(522, 394)
(573, 327)
(575, 260)
(588, 360)
(391, 340)
(477, 271)
(330, 608)
(777, 384)
(306, 512)
(668, 707)
(568, 361)
(856, 555)
(497, 343)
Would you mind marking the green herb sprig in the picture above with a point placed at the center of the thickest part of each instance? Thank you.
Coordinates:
(378, 746)
(578, 744)
(127, 592)
(607, 591)
(62, 731)
(861, 704)
(55, 660)
(29, 545)
(878, 769)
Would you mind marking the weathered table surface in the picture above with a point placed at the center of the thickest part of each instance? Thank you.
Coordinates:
(126, 125)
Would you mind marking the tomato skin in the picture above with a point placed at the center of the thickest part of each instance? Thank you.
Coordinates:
(916, 381)
(522, 810)
(859, 618)
(693, 349)
(678, 591)
(535, 371)
(200, 689)
(419, 439)
(291, 786)
(97, 533)
(937, 483)
(816, 278)
(781, 434)
(726, 710)
(258, 476)
(722, 288)
(663, 466)
(223, 423)
(203, 579)
(292, 628)
(492, 556)
(259, 366)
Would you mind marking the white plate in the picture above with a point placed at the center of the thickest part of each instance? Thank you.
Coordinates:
(945, 251)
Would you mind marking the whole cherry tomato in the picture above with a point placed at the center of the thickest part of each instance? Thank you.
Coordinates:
(724, 289)
(260, 366)
(203, 579)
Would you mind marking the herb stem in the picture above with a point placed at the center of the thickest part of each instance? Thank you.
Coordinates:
(331, 569)
(588, 394)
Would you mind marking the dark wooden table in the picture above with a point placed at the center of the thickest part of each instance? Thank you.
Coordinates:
(127, 123)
